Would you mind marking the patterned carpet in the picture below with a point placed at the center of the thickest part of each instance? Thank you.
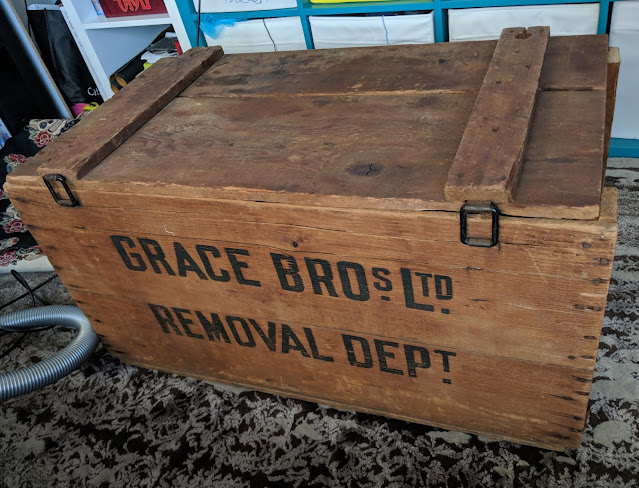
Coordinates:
(110, 424)
(18, 249)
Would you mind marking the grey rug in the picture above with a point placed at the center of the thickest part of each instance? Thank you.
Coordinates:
(110, 424)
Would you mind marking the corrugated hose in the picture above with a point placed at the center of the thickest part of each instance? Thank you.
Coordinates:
(49, 370)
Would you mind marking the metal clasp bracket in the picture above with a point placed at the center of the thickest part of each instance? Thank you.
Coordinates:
(478, 208)
(71, 201)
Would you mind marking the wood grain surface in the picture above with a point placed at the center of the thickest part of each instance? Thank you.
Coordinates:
(289, 231)
(77, 152)
(305, 129)
(572, 63)
(490, 153)
(311, 151)
(614, 62)
(483, 394)
(499, 335)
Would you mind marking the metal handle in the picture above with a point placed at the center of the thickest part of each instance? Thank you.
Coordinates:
(71, 201)
(478, 208)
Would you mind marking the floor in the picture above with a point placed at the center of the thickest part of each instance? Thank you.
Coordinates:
(110, 424)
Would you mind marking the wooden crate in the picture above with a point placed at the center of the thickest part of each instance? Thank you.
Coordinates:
(291, 222)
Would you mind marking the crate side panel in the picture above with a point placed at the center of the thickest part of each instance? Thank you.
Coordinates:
(530, 402)
(540, 297)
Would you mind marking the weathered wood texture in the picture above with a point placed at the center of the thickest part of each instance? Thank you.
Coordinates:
(306, 147)
(336, 128)
(498, 336)
(77, 152)
(571, 63)
(266, 228)
(487, 162)
(311, 151)
(614, 61)
(549, 415)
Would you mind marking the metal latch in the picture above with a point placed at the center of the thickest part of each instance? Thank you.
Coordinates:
(72, 201)
(479, 208)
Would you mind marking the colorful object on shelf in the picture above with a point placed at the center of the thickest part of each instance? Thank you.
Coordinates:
(78, 108)
(257, 35)
(162, 48)
(126, 73)
(91, 106)
(97, 7)
(212, 25)
(122, 8)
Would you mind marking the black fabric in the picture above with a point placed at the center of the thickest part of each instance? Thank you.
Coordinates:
(23, 95)
(62, 57)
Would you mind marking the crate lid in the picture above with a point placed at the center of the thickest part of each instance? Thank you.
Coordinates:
(520, 122)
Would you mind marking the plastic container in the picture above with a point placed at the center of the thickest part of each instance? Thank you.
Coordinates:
(477, 24)
(375, 30)
(260, 35)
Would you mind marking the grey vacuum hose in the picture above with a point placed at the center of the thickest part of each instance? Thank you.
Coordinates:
(49, 370)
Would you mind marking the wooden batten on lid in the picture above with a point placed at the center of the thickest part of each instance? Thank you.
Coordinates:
(76, 153)
(487, 163)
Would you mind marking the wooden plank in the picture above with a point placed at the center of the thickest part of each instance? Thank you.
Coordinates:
(298, 146)
(565, 263)
(309, 150)
(573, 63)
(563, 157)
(546, 404)
(444, 67)
(543, 364)
(474, 319)
(78, 151)
(554, 241)
(486, 166)
(614, 60)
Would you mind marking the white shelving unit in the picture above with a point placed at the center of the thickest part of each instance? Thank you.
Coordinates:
(102, 22)
(109, 43)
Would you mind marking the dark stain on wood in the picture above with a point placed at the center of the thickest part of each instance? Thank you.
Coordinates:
(364, 169)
